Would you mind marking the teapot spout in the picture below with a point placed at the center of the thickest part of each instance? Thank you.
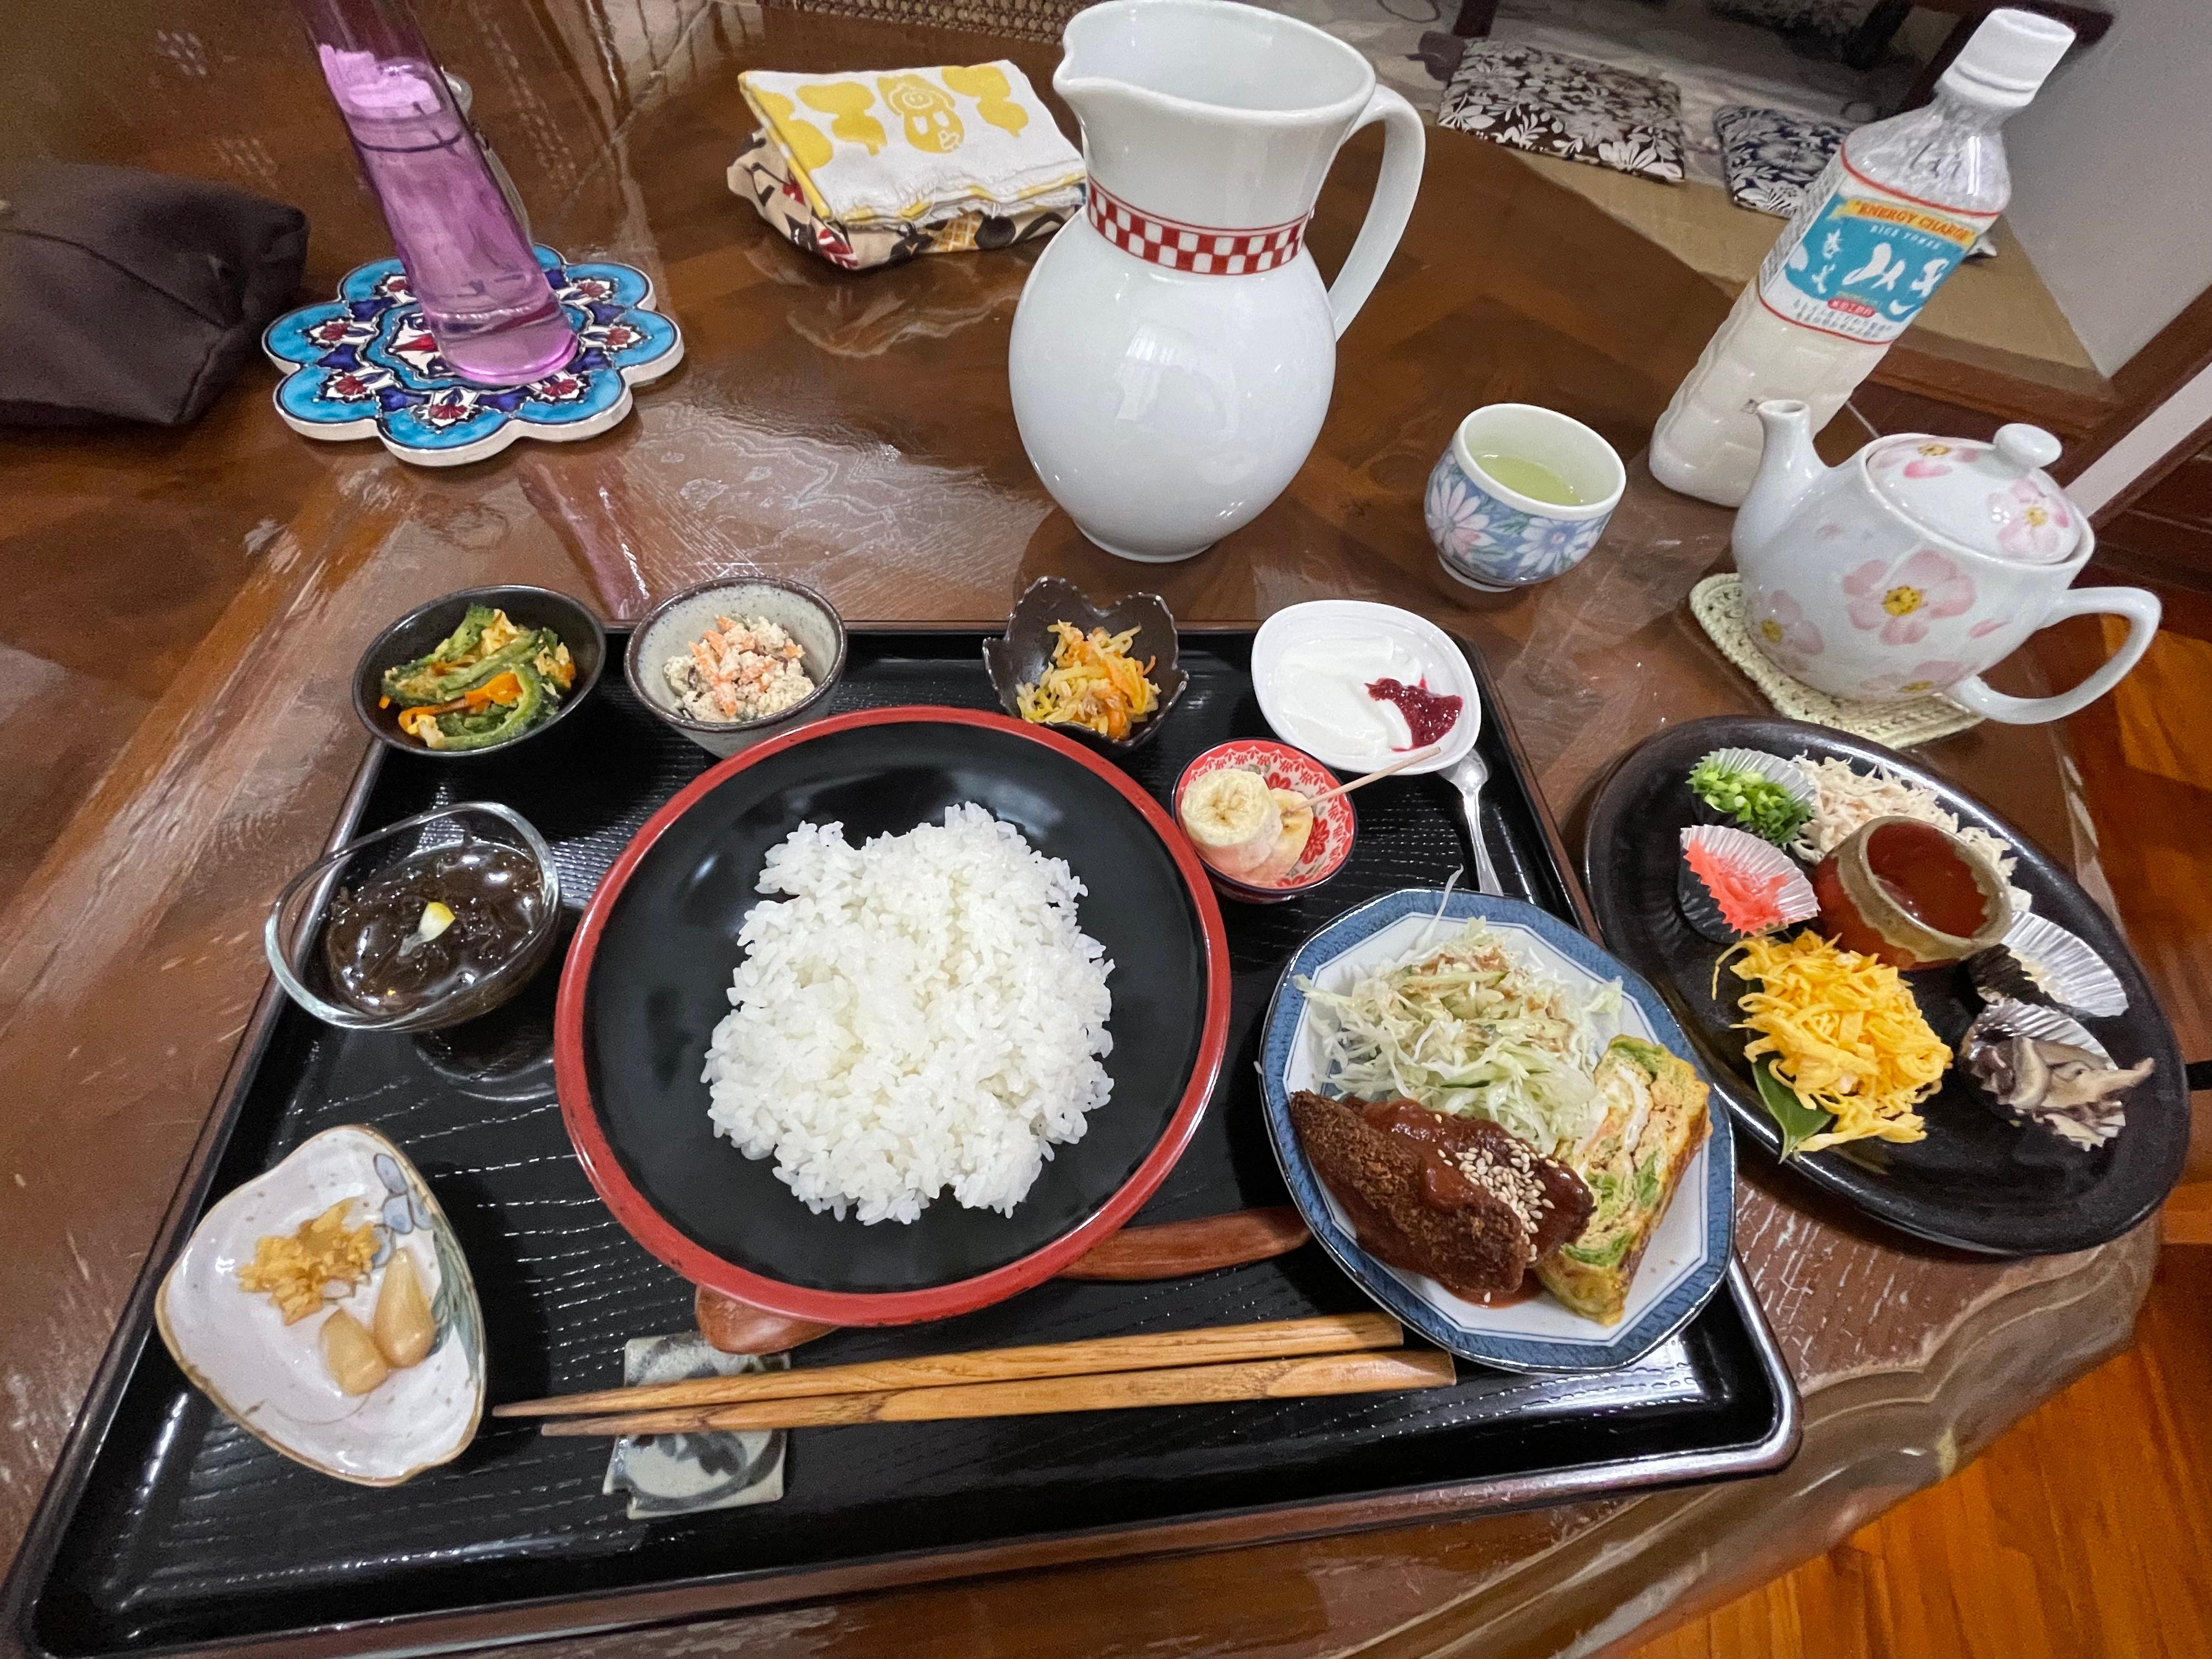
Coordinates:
(1787, 469)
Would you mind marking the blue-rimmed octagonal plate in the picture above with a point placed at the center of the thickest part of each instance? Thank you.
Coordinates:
(1689, 1254)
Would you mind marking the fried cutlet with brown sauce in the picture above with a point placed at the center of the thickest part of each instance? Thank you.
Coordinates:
(1465, 1202)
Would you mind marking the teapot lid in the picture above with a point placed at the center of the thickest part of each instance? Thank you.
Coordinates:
(1992, 497)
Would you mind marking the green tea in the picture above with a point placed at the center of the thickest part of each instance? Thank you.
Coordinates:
(1530, 478)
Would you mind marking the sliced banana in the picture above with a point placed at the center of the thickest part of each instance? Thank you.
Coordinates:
(1290, 843)
(1232, 818)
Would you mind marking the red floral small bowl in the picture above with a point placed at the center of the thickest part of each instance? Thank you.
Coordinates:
(1335, 826)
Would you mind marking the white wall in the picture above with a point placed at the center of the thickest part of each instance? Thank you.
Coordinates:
(2112, 171)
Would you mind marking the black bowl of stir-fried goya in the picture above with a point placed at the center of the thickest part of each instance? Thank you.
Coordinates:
(478, 670)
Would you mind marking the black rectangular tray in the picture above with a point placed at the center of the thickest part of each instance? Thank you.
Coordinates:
(167, 1529)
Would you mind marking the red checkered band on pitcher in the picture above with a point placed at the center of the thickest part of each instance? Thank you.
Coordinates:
(1210, 252)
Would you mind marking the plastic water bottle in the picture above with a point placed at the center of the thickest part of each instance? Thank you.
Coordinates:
(485, 298)
(1900, 204)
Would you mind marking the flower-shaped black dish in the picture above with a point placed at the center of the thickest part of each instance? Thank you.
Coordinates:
(1022, 655)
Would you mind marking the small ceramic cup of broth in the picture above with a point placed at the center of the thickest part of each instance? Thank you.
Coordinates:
(1907, 894)
(1520, 496)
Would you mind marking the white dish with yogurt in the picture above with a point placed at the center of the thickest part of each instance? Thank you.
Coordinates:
(1311, 666)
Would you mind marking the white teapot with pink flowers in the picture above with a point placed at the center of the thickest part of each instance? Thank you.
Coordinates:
(1917, 564)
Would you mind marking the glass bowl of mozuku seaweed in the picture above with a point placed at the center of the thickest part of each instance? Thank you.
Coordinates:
(479, 671)
(420, 925)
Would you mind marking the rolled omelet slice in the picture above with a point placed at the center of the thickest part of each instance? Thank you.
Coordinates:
(1655, 1121)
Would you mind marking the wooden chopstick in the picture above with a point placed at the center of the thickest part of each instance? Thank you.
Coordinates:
(1191, 1385)
(1211, 1345)
(1365, 779)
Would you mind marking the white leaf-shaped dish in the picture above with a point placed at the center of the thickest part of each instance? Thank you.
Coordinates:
(270, 1378)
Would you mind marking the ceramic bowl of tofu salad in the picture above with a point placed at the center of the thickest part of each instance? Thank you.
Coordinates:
(737, 660)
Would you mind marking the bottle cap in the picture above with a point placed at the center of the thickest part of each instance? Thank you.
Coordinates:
(2008, 57)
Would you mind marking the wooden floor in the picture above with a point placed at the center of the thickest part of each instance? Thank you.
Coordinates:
(2086, 1532)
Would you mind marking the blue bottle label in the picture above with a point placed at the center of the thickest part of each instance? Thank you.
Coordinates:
(1860, 262)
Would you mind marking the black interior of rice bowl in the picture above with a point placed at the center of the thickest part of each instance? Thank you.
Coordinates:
(647, 978)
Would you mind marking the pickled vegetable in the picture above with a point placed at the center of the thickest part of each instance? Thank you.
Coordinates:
(296, 1270)
(350, 1354)
(384, 959)
(486, 683)
(403, 1326)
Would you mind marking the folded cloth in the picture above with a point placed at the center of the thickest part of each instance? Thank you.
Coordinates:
(1553, 103)
(886, 148)
(131, 295)
(762, 174)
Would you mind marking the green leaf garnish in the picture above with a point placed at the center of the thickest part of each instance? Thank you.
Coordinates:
(1759, 804)
(1797, 1121)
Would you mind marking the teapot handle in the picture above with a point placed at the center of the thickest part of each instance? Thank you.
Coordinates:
(1404, 144)
(2141, 609)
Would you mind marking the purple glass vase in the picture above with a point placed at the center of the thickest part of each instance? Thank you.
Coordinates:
(485, 298)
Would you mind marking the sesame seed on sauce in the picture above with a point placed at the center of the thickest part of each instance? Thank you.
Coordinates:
(1511, 1180)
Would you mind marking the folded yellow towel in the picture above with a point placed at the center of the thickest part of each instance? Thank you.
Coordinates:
(761, 175)
(883, 146)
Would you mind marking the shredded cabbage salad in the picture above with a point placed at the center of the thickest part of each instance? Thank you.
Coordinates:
(1470, 1030)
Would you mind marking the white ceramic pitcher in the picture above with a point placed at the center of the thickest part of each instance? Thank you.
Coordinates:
(1175, 348)
(1918, 563)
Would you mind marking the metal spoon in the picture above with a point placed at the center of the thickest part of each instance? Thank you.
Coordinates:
(1467, 776)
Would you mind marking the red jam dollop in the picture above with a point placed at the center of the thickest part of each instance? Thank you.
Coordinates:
(1429, 715)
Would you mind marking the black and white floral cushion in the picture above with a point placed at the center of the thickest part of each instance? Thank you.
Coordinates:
(1552, 104)
(1771, 156)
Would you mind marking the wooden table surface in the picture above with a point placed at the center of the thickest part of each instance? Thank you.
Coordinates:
(855, 433)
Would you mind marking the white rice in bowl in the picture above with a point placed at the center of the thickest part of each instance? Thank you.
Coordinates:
(921, 1012)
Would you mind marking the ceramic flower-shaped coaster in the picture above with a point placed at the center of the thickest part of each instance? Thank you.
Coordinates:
(364, 366)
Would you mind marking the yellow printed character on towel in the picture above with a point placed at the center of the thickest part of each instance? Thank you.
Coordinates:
(802, 138)
(933, 122)
(850, 101)
(987, 84)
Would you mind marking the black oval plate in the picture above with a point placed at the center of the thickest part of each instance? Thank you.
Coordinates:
(647, 979)
(1978, 1182)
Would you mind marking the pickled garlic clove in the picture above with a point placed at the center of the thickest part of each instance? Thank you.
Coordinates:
(403, 1326)
(350, 1355)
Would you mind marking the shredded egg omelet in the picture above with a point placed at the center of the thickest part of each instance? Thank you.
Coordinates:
(1844, 1033)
